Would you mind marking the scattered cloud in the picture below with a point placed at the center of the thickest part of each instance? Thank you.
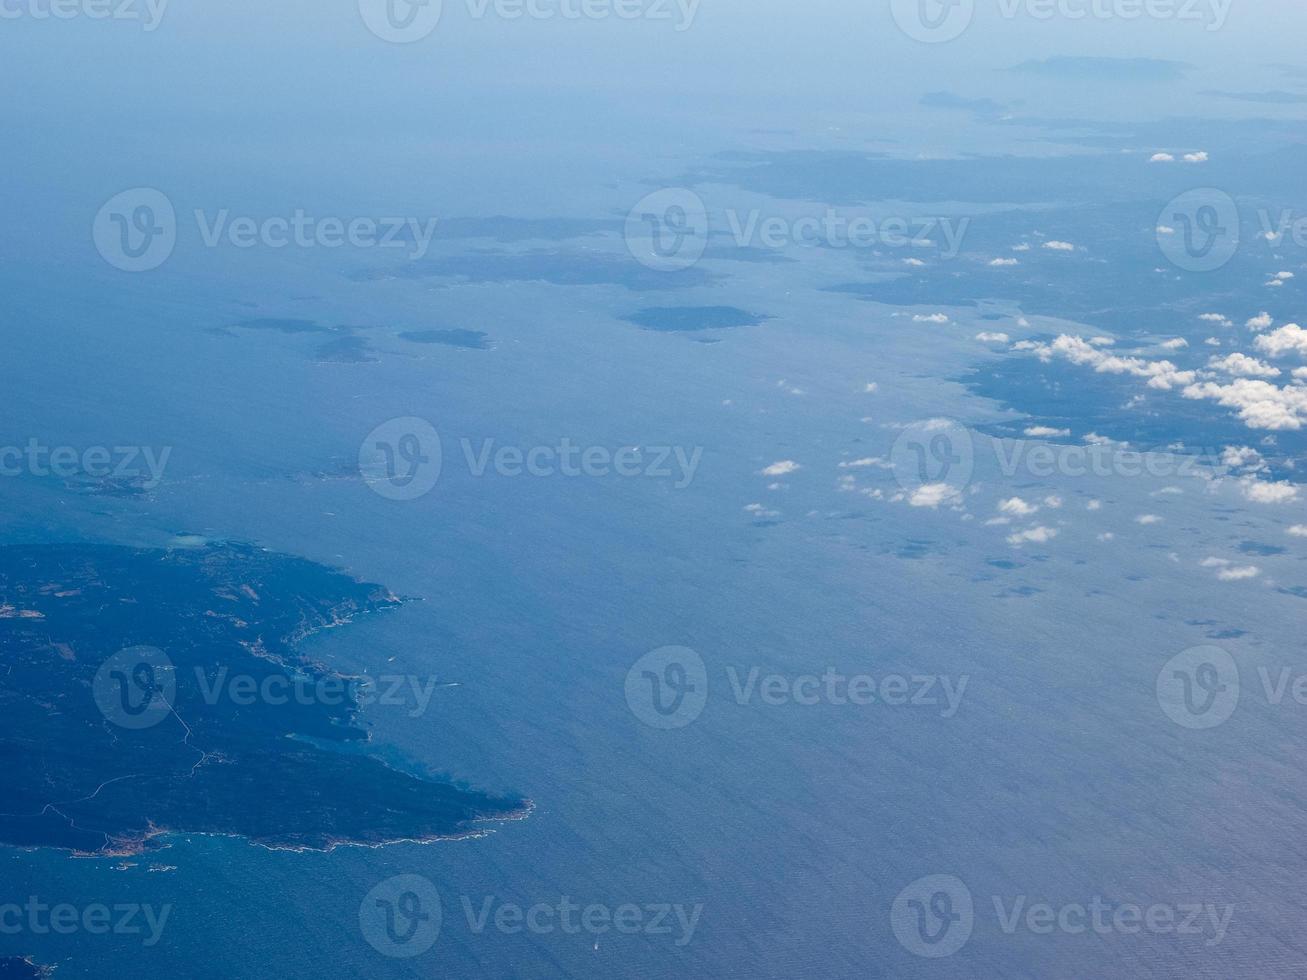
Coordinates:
(1288, 339)
(1016, 507)
(932, 495)
(1037, 535)
(1243, 366)
(1266, 492)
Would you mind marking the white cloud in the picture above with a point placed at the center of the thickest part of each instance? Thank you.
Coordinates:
(858, 464)
(932, 495)
(1298, 530)
(930, 318)
(1003, 262)
(1175, 343)
(871, 388)
(1038, 535)
(1094, 505)
(1163, 375)
(985, 337)
(1266, 492)
(1289, 339)
(760, 511)
(1046, 432)
(1161, 158)
(1243, 366)
(1228, 571)
(1259, 404)
(780, 468)
(1238, 573)
(913, 262)
(1241, 457)
(1053, 501)
(1148, 519)
(1259, 322)
(1199, 157)
(1057, 246)
(1094, 439)
(1164, 230)
(1016, 507)
(1216, 318)
(1212, 342)
(1023, 247)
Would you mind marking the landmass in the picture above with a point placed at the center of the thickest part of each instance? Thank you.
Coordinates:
(106, 752)
(22, 968)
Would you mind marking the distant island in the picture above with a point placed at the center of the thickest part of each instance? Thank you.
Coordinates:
(74, 620)
(22, 968)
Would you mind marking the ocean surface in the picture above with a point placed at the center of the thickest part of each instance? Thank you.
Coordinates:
(799, 542)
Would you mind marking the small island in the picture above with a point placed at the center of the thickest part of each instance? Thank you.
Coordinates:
(22, 968)
(280, 772)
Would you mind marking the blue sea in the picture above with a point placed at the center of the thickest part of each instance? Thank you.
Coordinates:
(1031, 756)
